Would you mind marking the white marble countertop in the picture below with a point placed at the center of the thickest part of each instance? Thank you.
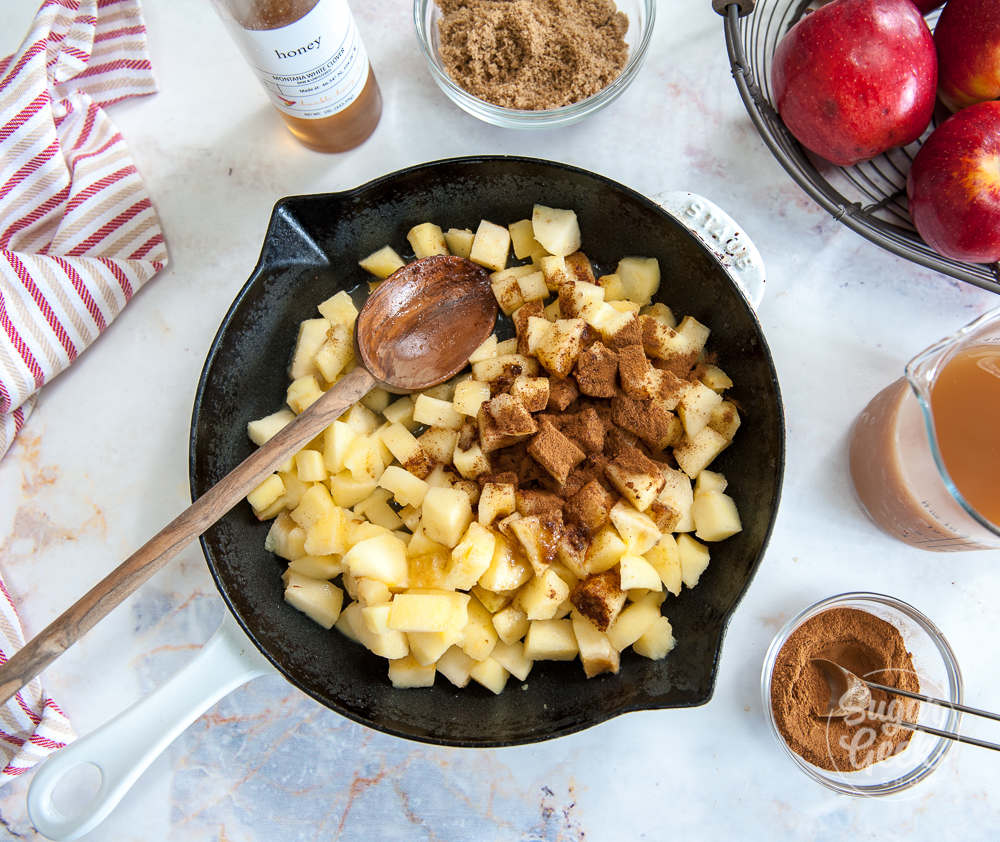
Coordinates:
(102, 465)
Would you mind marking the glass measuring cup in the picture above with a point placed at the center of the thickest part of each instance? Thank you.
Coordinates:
(896, 463)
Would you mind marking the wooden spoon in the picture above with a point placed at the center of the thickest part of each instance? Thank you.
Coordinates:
(417, 329)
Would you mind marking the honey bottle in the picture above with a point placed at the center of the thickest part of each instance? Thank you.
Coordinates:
(309, 57)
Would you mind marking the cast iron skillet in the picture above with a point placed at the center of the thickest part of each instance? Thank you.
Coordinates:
(310, 252)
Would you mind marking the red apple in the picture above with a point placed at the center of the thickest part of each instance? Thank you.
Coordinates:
(954, 185)
(856, 77)
(926, 6)
(968, 44)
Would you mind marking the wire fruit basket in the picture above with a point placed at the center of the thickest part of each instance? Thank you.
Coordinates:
(870, 197)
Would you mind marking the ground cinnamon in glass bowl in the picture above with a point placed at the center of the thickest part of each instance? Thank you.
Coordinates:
(888, 642)
(533, 63)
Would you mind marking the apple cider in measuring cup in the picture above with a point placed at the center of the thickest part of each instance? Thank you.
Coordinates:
(925, 453)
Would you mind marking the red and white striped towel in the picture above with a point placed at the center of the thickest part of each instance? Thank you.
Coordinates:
(78, 233)
(78, 236)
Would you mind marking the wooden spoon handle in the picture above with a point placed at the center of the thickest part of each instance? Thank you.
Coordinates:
(79, 618)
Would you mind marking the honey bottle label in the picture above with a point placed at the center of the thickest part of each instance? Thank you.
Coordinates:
(312, 68)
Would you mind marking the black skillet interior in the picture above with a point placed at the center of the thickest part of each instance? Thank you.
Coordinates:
(311, 251)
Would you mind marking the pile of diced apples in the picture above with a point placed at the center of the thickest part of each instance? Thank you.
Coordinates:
(386, 502)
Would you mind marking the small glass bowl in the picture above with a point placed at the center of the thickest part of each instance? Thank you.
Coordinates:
(641, 15)
(939, 675)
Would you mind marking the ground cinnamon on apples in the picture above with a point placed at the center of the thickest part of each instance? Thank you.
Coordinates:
(532, 54)
(870, 648)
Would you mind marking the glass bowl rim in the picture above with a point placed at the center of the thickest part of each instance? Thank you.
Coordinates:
(521, 118)
(955, 692)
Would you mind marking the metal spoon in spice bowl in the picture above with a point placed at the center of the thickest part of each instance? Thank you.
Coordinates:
(851, 694)
(417, 329)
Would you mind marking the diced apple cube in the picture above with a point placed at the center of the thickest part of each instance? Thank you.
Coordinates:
(636, 528)
(697, 453)
(361, 419)
(364, 460)
(309, 466)
(715, 516)
(636, 477)
(633, 622)
(348, 490)
(406, 673)
(511, 623)
(400, 412)
(426, 239)
(455, 665)
(337, 441)
(382, 263)
(437, 413)
(508, 569)
(710, 481)
(493, 601)
(478, 637)
(264, 429)
(605, 551)
(541, 597)
(678, 495)
(606, 320)
(532, 287)
(522, 238)
(336, 353)
(447, 514)
(507, 292)
(557, 230)
(471, 557)
(266, 493)
(318, 599)
(459, 241)
(559, 348)
(345, 624)
(470, 463)
(656, 641)
(439, 444)
(694, 331)
(302, 393)
(596, 652)
(469, 396)
(511, 657)
(315, 505)
(665, 558)
(550, 640)
(329, 534)
(285, 538)
(382, 558)
(725, 420)
(496, 500)
(376, 508)
(317, 566)
(339, 309)
(695, 407)
(490, 675)
(694, 559)
(614, 289)
(635, 572)
(440, 611)
(640, 276)
(312, 335)
(404, 486)
(490, 246)
(407, 450)
(485, 351)
(428, 647)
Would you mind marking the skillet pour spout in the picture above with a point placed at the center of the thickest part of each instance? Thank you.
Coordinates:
(310, 252)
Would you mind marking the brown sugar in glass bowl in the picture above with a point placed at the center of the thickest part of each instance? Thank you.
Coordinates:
(519, 39)
(914, 639)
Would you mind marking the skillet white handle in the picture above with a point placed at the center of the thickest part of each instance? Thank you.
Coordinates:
(724, 238)
(123, 747)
